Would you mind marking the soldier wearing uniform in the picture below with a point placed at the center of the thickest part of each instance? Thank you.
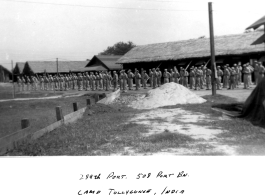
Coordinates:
(97, 81)
(151, 77)
(146, 78)
(198, 79)
(130, 79)
(100, 75)
(219, 78)
(246, 72)
(226, 76)
(104, 80)
(186, 78)
(88, 81)
(237, 75)
(159, 77)
(181, 73)
(171, 78)
(78, 82)
(232, 78)
(115, 80)
(92, 82)
(142, 77)
(51, 82)
(192, 78)
(19, 83)
(124, 79)
(23, 83)
(46, 82)
(41, 83)
(137, 80)
(107, 79)
(166, 76)
(176, 75)
(240, 73)
(110, 79)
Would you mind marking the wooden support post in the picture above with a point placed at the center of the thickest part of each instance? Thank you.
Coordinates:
(88, 103)
(213, 66)
(75, 106)
(96, 98)
(59, 113)
(24, 123)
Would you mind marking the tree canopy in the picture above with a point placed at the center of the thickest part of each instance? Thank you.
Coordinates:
(119, 48)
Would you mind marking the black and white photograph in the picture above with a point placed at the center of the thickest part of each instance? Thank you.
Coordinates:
(138, 79)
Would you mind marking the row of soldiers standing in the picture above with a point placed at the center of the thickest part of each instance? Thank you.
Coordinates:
(64, 82)
(197, 78)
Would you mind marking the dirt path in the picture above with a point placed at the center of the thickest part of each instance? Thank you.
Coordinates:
(182, 123)
(239, 94)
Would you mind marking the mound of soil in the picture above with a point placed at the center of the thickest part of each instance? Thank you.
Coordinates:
(167, 95)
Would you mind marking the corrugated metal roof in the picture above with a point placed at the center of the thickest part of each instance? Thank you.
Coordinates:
(257, 24)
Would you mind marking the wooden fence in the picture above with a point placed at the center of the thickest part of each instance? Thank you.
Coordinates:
(13, 140)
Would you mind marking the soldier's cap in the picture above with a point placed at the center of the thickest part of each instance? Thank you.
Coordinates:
(234, 64)
(218, 66)
(165, 69)
(244, 65)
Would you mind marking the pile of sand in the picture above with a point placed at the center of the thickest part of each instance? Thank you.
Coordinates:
(166, 95)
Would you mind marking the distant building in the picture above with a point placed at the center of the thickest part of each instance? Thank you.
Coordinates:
(50, 67)
(229, 49)
(5, 74)
(104, 62)
(19, 67)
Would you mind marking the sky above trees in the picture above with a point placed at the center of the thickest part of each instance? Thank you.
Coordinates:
(79, 29)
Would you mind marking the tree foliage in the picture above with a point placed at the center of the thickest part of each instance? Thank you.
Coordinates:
(119, 48)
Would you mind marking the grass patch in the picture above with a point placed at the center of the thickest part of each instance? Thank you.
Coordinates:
(40, 113)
